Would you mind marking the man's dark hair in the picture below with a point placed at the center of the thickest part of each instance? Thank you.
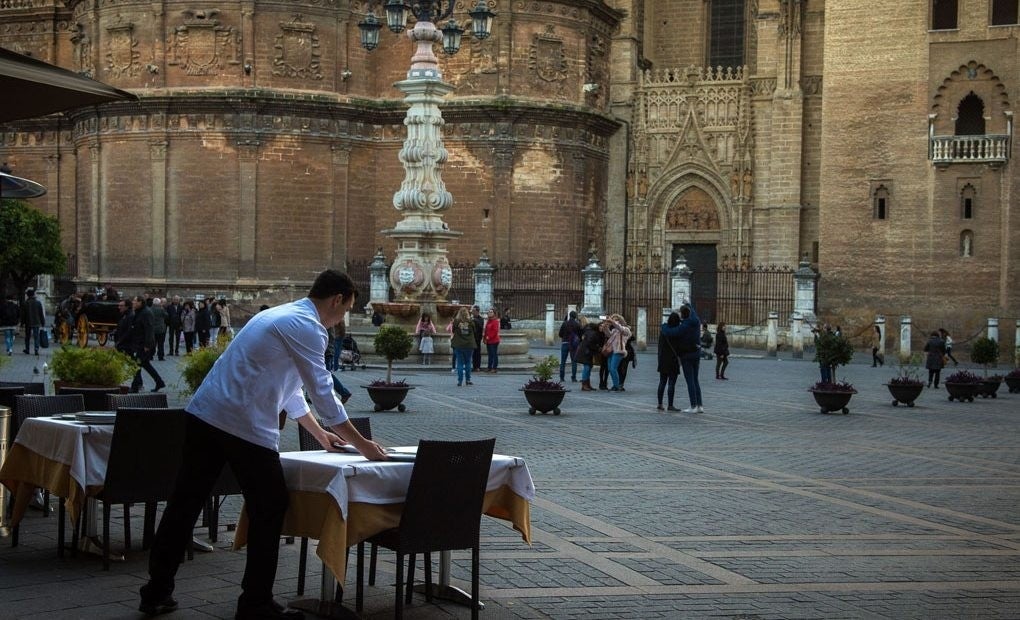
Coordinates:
(673, 320)
(332, 282)
(573, 314)
(685, 311)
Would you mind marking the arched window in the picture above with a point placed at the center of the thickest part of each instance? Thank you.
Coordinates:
(968, 198)
(967, 243)
(970, 116)
(943, 14)
(880, 203)
(726, 33)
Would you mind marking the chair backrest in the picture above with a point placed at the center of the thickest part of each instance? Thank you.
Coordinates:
(443, 509)
(145, 455)
(35, 406)
(307, 442)
(95, 397)
(31, 387)
(7, 394)
(136, 401)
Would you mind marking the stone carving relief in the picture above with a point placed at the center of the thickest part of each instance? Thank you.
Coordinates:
(548, 59)
(476, 58)
(790, 17)
(694, 210)
(83, 51)
(122, 56)
(201, 44)
(297, 50)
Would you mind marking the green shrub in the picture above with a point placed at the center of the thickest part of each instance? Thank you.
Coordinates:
(984, 351)
(542, 379)
(97, 366)
(832, 350)
(196, 366)
(393, 343)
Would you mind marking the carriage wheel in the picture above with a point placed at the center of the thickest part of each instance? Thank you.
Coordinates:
(101, 338)
(556, 411)
(845, 410)
(83, 331)
(63, 332)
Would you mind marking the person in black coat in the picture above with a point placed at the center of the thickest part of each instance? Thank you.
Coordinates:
(203, 323)
(669, 359)
(479, 321)
(722, 351)
(591, 343)
(173, 323)
(122, 334)
(142, 337)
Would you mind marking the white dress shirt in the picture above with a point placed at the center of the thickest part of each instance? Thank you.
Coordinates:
(262, 371)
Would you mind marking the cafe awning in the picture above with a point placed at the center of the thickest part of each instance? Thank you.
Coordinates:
(30, 88)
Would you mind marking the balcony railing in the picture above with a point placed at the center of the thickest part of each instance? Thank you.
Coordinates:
(970, 149)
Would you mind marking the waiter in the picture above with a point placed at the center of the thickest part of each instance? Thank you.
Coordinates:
(234, 418)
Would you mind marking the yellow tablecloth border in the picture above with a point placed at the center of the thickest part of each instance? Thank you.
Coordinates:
(24, 470)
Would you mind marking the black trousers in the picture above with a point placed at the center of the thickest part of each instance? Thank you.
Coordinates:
(160, 344)
(175, 340)
(260, 476)
(476, 356)
(145, 363)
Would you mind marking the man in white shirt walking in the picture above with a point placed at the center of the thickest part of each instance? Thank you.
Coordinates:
(234, 418)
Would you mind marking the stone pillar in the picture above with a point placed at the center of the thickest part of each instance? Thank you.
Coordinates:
(550, 324)
(880, 323)
(797, 335)
(379, 286)
(157, 159)
(772, 344)
(594, 285)
(483, 282)
(1016, 345)
(905, 323)
(993, 329)
(247, 201)
(641, 327)
(805, 281)
(680, 277)
(665, 314)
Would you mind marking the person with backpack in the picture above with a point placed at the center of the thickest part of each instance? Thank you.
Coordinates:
(570, 338)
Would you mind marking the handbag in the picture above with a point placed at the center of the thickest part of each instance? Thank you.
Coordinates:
(44, 339)
(607, 348)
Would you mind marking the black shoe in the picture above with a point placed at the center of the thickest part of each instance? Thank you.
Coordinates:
(134, 390)
(345, 398)
(158, 607)
(159, 387)
(272, 609)
(25, 351)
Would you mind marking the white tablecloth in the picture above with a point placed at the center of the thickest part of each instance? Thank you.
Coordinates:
(352, 478)
(84, 448)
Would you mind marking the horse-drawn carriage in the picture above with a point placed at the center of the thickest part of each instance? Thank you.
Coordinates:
(96, 317)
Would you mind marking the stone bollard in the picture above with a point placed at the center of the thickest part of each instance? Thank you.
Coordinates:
(805, 284)
(594, 287)
(905, 352)
(773, 334)
(680, 282)
(880, 322)
(641, 333)
(993, 329)
(1016, 345)
(550, 323)
(379, 284)
(797, 335)
(483, 282)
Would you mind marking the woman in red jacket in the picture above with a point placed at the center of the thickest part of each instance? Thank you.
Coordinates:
(491, 339)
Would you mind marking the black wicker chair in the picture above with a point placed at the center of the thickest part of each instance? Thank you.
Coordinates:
(35, 406)
(95, 397)
(307, 442)
(115, 401)
(141, 470)
(457, 472)
(31, 387)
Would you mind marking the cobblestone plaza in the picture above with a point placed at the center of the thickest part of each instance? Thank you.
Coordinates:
(759, 508)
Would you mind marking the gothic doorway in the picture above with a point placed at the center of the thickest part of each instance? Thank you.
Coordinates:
(702, 260)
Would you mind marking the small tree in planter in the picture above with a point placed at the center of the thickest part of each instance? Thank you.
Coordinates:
(91, 366)
(906, 386)
(985, 351)
(393, 343)
(544, 394)
(833, 350)
(196, 366)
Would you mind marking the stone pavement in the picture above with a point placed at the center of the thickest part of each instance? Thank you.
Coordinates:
(759, 508)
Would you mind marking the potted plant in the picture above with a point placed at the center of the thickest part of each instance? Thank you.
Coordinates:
(833, 350)
(196, 366)
(906, 386)
(1013, 380)
(985, 351)
(393, 343)
(92, 367)
(544, 394)
(963, 386)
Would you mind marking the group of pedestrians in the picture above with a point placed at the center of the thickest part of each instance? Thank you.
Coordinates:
(468, 332)
(680, 350)
(30, 315)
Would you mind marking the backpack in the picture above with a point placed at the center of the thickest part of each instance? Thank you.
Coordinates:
(9, 314)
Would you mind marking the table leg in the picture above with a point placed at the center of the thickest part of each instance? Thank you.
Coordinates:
(325, 606)
(91, 543)
(442, 588)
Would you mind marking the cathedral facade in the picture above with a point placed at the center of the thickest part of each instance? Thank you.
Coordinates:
(876, 145)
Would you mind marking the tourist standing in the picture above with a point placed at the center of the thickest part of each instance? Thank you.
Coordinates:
(935, 360)
(463, 343)
(426, 331)
(570, 338)
(690, 356)
(491, 340)
(668, 360)
(619, 332)
(722, 351)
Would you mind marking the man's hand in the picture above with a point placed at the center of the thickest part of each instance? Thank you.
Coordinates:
(327, 439)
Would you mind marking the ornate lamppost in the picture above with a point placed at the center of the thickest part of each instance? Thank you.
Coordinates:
(421, 272)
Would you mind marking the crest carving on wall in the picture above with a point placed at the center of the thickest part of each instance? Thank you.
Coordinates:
(547, 58)
(476, 58)
(122, 56)
(201, 44)
(83, 51)
(297, 50)
(694, 210)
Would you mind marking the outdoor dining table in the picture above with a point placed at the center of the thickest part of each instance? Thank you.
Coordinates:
(343, 499)
(65, 457)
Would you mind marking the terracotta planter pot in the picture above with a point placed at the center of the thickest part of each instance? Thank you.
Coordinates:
(544, 401)
(386, 397)
(833, 401)
(904, 393)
